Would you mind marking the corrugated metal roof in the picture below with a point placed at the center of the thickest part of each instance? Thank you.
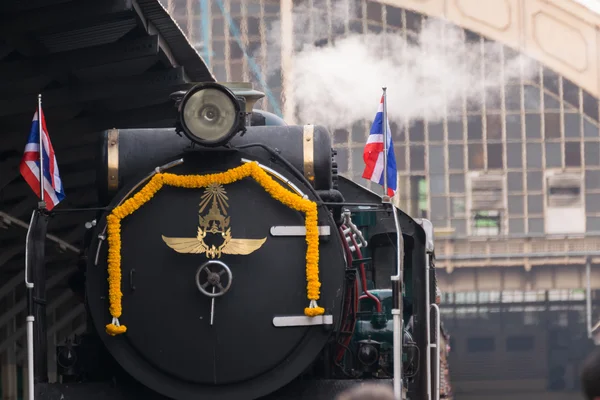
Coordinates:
(98, 65)
(177, 41)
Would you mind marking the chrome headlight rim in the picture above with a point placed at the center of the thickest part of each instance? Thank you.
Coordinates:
(239, 119)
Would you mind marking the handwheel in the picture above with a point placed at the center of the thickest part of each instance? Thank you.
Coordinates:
(213, 278)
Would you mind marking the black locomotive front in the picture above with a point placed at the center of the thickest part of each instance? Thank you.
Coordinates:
(202, 290)
(224, 267)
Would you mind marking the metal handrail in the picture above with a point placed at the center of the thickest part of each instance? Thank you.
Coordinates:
(58, 325)
(436, 392)
(428, 323)
(496, 238)
(12, 283)
(588, 295)
(549, 254)
(398, 323)
(77, 331)
(21, 331)
(67, 246)
(21, 305)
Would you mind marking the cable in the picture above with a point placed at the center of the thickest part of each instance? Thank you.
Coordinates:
(257, 72)
(205, 31)
(285, 162)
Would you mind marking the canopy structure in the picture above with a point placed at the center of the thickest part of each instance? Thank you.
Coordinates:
(98, 65)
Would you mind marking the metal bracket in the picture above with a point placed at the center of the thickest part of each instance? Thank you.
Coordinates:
(302, 320)
(112, 157)
(298, 230)
(352, 230)
(428, 228)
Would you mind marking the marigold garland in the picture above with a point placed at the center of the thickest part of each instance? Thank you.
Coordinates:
(251, 169)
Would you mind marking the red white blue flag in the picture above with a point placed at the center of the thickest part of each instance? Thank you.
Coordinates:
(30, 165)
(373, 154)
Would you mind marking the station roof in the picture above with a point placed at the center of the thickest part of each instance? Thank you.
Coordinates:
(98, 65)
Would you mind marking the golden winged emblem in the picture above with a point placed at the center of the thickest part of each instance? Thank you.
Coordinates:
(215, 221)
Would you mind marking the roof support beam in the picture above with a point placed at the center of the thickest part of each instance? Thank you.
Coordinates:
(71, 182)
(15, 6)
(85, 129)
(15, 137)
(163, 115)
(68, 156)
(5, 50)
(74, 60)
(142, 85)
(151, 29)
(10, 253)
(25, 46)
(60, 242)
(182, 50)
(66, 14)
(9, 170)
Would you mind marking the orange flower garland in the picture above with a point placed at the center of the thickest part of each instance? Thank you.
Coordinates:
(251, 169)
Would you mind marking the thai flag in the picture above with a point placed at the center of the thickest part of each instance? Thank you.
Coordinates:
(30, 165)
(373, 154)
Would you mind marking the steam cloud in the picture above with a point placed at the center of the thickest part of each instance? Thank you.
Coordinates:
(339, 83)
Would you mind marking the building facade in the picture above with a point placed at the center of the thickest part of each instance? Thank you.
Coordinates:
(511, 181)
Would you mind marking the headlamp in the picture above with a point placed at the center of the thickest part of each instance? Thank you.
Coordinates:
(210, 114)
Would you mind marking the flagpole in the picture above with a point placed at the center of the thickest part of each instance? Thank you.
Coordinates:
(397, 281)
(41, 205)
(30, 319)
(385, 144)
(30, 316)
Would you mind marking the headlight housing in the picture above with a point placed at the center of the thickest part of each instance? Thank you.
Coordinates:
(210, 114)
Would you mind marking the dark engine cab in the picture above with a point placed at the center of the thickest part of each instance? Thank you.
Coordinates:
(232, 262)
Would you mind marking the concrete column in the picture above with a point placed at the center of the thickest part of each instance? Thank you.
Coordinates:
(8, 360)
(24, 371)
(8, 375)
(287, 48)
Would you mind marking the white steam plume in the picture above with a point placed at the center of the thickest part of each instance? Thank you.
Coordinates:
(341, 82)
(308, 23)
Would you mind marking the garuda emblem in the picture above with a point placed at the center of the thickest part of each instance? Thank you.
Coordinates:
(215, 221)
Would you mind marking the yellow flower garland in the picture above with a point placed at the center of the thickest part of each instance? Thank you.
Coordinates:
(251, 169)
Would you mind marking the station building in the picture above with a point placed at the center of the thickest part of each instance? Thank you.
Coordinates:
(511, 183)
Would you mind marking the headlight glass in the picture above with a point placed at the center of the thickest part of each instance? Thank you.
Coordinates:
(210, 115)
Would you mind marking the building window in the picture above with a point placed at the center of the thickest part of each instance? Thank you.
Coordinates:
(480, 344)
(419, 193)
(519, 343)
(422, 211)
(486, 223)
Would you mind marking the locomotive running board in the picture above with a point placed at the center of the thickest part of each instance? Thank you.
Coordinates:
(297, 230)
(302, 320)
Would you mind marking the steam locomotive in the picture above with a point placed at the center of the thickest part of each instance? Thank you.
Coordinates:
(233, 262)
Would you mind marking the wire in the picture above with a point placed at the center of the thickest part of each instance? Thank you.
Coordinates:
(285, 162)
(205, 32)
(251, 62)
(70, 210)
(337, 364)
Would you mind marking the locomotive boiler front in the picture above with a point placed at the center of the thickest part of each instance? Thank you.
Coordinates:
(200, 288)
(127, 154)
